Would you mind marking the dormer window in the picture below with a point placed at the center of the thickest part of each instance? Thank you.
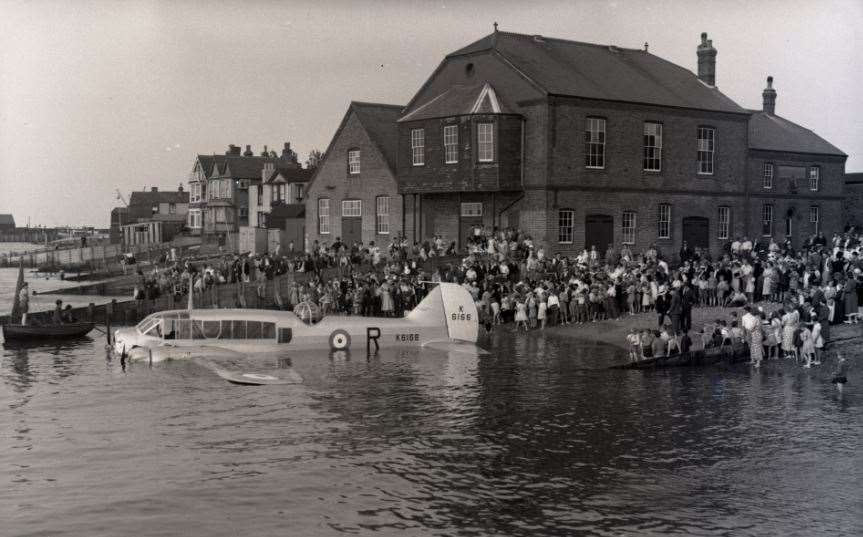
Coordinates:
(354, 161)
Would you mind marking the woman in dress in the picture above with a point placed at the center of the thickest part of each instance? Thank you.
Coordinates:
(790, 321)
(542, 312)
(774, 335)
(767, 282)
(520, 315)
(851, 305)
(756, 341)
(386, 299)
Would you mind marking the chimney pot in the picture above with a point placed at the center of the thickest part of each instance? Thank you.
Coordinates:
(154, 189)
(768, 97)
(706, 60)
(248, 151)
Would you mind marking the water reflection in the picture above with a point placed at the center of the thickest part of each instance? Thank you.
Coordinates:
(537, 438)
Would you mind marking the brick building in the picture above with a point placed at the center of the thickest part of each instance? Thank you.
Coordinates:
(587, 145)
(353, 194)
(796, 179)
(853, 209)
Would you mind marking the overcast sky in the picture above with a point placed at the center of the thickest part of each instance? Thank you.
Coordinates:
(96, 96)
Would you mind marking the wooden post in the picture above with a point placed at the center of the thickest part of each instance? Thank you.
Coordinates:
(91, 312)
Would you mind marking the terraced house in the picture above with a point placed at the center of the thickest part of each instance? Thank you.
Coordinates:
(586, 145)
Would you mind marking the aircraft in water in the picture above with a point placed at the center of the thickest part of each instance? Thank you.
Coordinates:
(446, 319)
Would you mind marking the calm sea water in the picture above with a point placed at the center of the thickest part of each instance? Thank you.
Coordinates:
(535, 439)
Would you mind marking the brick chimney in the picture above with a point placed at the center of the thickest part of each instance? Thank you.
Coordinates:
(248, 152)
(233, 150)
(180, 188)
(265, 153)
(154, 189)
(706, 61)
(769, 97)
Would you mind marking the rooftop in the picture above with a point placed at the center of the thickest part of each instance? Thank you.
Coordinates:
(379, 120)
(577, 69)
(774, 133)
(148, 199)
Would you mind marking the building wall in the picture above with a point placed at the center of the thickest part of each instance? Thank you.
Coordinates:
(468, 174)
(333, 181)
(624, 147)
(853, 205)
(785, 195)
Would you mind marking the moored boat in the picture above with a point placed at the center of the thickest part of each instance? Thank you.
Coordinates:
(18, 332)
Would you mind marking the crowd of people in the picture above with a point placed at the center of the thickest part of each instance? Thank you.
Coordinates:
(796, 294)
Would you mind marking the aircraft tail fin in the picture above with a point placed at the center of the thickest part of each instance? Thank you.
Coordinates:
(452, 304)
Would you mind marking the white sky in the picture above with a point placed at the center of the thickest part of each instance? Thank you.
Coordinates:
(99, 95)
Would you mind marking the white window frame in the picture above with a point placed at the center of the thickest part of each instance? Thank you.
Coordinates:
(664, 221)
(814, 175)
(815, 217)
(324, 216)
(724, 220)
(352, 208)
(706, 150)
(768, 171)
(418, 147)
(653, 152)
(471, 209)
(629, 223)
(382, 215)
(767, 219)
(354, 161)
(565, 226)
(485, 142)
(594, 143)
(450, 144)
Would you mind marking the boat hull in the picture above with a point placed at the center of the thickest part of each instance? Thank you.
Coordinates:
(727, 354)
(17, 332)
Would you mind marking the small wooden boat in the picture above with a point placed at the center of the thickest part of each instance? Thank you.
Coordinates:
(18, 332)
(728, 354)
(15, 331)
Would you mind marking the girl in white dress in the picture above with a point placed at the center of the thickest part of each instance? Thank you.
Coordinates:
(520, 315)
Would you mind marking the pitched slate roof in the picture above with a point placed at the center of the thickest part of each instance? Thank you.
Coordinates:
(572, 68)
(379, 121)
(6, 220)
(249, 167)
(774, 133)
(148, 199)
(461, 100)
(291, 175)
(208, 161)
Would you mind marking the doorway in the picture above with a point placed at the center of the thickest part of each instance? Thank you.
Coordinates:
(696, 231)
(599, 232)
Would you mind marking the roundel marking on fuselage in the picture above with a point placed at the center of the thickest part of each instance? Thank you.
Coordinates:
(340, 340)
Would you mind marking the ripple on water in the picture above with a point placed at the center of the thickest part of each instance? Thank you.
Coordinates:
(535, 439)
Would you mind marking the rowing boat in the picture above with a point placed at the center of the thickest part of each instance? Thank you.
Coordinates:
(19, 332)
